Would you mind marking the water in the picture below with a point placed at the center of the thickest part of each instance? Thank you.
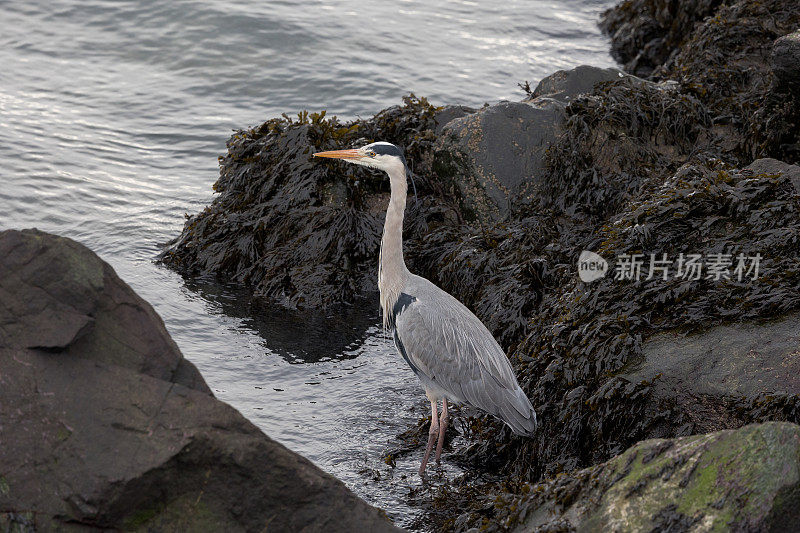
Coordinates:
(112, 115)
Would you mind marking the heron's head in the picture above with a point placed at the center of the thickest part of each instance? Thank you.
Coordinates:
(381, 155)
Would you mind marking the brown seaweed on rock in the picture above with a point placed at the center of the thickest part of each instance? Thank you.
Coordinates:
(723, 61)
(646, 33)
(582, 338)
(639, 169)
(303, 232)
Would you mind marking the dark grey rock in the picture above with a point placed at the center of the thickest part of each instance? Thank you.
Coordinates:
(786, 60)
(104, 425)
(773, 166)
(564, 85)
(499, 151)
(448, 113)
(701, 371)
(495, 155)
(58, 296)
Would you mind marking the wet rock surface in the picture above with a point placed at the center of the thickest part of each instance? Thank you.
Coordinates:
(491, 151)
(773, 166)
(104, 425)
(703, 372)
(564, 85)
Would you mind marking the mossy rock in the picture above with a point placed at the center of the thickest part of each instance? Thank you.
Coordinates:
(733, 480)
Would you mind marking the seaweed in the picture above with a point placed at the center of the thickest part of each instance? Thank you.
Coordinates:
(646, 33)
(723, 62)
(302, 233)
(581, 336)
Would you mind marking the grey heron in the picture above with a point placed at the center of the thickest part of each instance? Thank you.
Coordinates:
(452, 353)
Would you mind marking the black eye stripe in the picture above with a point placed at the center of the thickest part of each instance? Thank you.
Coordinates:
(386, 149)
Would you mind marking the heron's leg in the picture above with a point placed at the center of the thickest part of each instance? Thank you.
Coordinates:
(442, 429)
(434, 430)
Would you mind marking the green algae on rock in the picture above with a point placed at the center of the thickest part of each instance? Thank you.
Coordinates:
(733, 480)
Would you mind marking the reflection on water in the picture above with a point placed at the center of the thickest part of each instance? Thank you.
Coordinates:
(297, 336)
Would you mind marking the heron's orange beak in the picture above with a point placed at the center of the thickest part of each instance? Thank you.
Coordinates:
(340, 154)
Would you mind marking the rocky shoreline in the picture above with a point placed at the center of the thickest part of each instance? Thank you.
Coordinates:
(691, 150)
(664, 401)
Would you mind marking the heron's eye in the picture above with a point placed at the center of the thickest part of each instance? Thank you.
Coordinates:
(371, 153)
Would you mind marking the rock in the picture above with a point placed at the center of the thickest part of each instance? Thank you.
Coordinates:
(444, 115)
(785, 59)
(701, 372)
(496, 154)
(646, 33)
(734, 480)
(773, 166)
(777, 121)
(564, 85)
(104, 425)
(59, 297)
(305, 233)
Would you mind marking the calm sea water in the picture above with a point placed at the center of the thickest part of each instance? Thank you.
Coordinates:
(113, 113)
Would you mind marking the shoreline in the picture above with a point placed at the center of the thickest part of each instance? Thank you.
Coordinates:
(693, 148)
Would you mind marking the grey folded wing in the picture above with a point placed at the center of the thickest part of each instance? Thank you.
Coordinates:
(451, 350)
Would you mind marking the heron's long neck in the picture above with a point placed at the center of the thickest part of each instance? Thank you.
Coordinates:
(392, 271)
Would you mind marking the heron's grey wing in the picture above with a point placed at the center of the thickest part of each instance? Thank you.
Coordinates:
(449, 347)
